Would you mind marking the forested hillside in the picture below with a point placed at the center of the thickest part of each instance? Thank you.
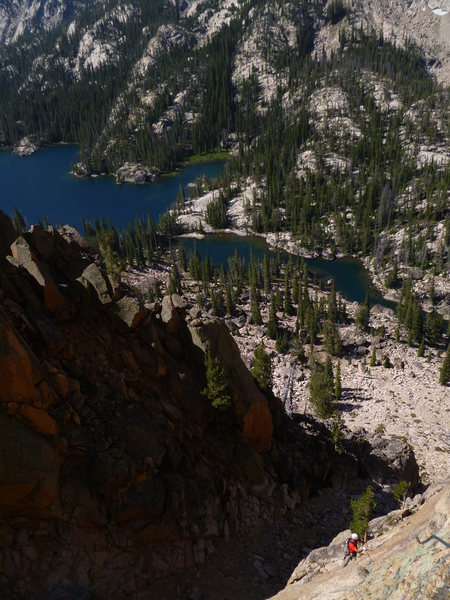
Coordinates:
(340, 130)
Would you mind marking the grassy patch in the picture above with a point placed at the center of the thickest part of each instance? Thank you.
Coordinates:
(209, 156)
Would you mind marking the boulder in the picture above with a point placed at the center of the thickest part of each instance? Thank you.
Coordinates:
(415, 273)
(378, 309)
(178, 301)
(398, 362)
(42, 242)
(169, 314)
(128, 311)
(26, 256)
(94, 277)
(249, 404)
(72, 236)
(28, 470)
(387, 459)
(39, 419)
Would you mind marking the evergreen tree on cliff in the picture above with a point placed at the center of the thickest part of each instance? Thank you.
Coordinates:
(262, 369)
(217, 388)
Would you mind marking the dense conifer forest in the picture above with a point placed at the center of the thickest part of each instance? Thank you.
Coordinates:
(350, 208)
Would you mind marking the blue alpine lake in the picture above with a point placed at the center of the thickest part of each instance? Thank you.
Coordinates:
(41, 186)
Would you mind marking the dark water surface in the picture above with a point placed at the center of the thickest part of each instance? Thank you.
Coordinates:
(41, 185)
(350, 276)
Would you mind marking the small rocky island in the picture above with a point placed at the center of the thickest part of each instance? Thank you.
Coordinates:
(136, 173)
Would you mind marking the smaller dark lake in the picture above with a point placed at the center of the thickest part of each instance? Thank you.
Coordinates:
(351, 279)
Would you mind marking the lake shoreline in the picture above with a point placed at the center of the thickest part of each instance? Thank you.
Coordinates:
(216, 237)
(42, 187)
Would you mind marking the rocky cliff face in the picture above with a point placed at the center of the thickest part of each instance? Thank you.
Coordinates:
(407, 557)
(32, 16)
(114, 468)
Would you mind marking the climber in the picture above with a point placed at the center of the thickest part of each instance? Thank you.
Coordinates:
(352, 548)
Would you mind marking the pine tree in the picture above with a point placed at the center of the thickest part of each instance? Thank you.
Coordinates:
(392, 277)
(400, 492)
(174, 280)
(229, 299)
(217, 388)
(337, 433)
(444, 377)
(338, 383)
(332, 306)
(295, 294)
(272, 324)
(287, 305)
(421, 349)
(299, 351)
(363, 315)
(373, 358)
(417, 324)
(182, 259)
(333, 342)
(312, 326)
(254, 308)
(283, 342)
(266, 275)
(362, 509)
(432, 292)
(262, 369)
(434, 326)
(321, 389)
(19, 222)
(300, 308)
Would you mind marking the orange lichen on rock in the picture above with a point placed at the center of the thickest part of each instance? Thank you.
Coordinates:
(18, 369)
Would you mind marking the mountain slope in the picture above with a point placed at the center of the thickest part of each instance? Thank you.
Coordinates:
(336, 125)
(114, 467)
(34, 16)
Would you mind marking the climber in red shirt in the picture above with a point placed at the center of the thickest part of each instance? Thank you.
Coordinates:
(352, 548)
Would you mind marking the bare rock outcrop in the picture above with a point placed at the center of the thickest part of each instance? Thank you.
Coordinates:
(167, 38)
(114, 468)
(252, 411)
(407, 557)
(25, 147)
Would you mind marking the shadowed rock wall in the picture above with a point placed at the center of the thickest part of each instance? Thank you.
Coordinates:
(114, 468)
